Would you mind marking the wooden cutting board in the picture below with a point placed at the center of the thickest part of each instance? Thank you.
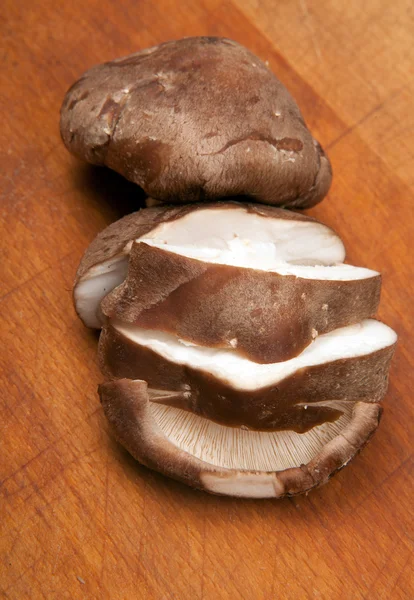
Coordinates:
(79, 518)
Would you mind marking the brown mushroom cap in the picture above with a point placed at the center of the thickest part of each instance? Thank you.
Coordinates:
(343, 366)
(264, 315)
(193, 120)
(140, 430)
(226, 273)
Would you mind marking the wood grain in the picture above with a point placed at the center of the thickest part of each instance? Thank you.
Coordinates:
(79, 518)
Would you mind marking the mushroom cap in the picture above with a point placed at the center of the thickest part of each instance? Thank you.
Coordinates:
(346, 365)
(262, 282)
(265, 315)
(194, 120)
(140, 430)
(239, 234)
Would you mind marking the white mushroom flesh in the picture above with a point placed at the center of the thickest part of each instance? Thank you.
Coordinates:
(238, 238)
(241, 373)
(93, 288)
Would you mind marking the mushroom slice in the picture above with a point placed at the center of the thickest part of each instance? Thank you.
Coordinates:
(196, 119)
(247, 236)
(102, 279)
(268, 316)
(228, 461)
(105, 262)
(349, 364)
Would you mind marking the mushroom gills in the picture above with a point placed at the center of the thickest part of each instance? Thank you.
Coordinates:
(241, 449)
(226, 461)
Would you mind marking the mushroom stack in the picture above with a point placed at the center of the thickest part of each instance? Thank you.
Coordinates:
(239, 351)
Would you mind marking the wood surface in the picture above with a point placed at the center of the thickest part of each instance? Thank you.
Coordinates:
(78, 517)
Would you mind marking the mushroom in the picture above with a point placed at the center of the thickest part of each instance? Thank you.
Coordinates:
(263, 282)
(228, 461)
(196, 119)
(346, 365)
(237, 347)
(267, 315)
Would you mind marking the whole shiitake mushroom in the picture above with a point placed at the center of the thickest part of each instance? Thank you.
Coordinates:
(195, 120)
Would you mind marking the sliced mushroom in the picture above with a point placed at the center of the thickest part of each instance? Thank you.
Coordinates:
(228, 461)
(263, 281)
(196, 119)
(105, 262)
(230, 341)
(349, 364)
(268, 316)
